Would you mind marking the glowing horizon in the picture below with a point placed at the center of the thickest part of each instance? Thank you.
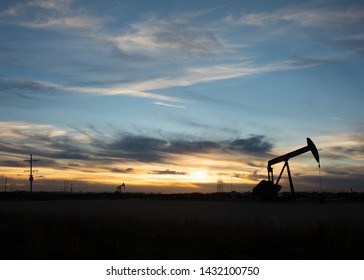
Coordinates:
(168, 167)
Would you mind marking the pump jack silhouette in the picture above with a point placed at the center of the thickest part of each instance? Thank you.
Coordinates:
(270, 188)
(118, 189)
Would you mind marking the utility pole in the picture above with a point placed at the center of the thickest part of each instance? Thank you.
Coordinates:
(31, 171)
(220, 186)
(65, 186)
(6, 182)
(231, 183)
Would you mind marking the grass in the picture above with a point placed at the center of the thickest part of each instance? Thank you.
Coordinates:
(45, 236)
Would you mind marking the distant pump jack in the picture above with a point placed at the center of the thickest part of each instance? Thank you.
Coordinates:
(118, 189)
(270, 188)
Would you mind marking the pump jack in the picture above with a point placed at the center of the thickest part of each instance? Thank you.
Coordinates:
(118, 189)
(270, 188)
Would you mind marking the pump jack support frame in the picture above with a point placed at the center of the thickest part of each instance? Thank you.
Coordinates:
(310, 147)
(289, 176)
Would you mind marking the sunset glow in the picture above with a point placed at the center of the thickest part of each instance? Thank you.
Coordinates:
(171, 96)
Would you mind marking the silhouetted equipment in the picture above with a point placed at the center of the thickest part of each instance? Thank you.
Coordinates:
(65, 186)
(6, 183)
(118, 189)
(271, 188)
(31, 171)
(220, 186)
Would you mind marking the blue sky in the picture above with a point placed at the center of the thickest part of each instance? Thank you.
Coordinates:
(172, 95)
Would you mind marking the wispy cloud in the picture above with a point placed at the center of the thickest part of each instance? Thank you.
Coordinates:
(168, 172)
(188, 77)
(128, 91)
(123, 170)
(62, 22)
(21, 130)
(41, 86)
(48, 14)
(329, 25)
(54, 143)
(204, 74)
(7, 84)
(174, 41)
(304, 16)
(347, 148)
(169, 105)
(168, 36)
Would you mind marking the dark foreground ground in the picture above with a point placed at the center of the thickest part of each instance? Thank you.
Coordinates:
(140, 228)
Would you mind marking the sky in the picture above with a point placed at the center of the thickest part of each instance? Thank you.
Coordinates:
(171, 96)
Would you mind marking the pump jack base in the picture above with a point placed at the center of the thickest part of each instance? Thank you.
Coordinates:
(266, 189)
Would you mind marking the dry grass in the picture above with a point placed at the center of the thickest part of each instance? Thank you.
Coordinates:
(34, 235)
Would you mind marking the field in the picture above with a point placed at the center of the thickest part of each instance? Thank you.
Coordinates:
(157, 228)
